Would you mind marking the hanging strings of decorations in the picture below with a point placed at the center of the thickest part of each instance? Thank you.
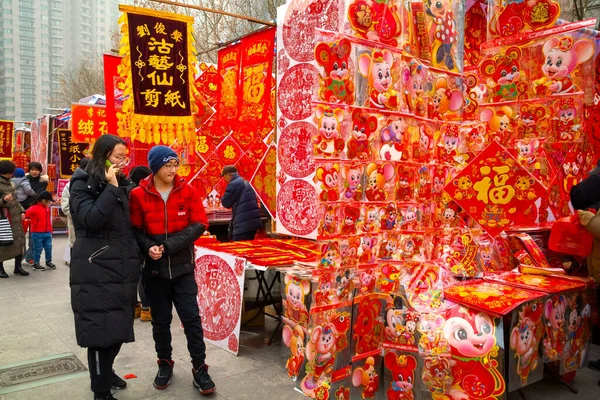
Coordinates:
(159, 67)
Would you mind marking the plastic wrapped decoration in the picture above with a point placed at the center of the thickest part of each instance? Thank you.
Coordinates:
(578, 321)
(350, 219)
(381, 70)
(329, 254)
(476, 343)
(512, 18)
(505, 74)
(394, 140)
(388, 247)
(337, 78)
(501, 122)
(475, 93)
(327, 349)
(328, 182)
(367, 323)
(328, 139)
(415, 86)
(476, 28)
(447, 98)
(371, 217)
(560, 58)
(446, 33)
(405, 190)
(380, 181)
(296, 299)
(376, 21)
(349, 249)
(567, 118)
(401, 372)
(525, 364)
(531, 155)
(294, 340)
(423, 140)
(453, 145)
(555, 337)
(457, 250)
(361, 135)
(366, 375)
(352, 181)
(329, 220)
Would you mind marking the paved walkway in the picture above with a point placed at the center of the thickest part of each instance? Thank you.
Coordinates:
(36, 321)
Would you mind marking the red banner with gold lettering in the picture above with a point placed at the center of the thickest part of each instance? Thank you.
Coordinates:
(6, 139)
(256, 81)
(111, 81)
(495, 190)
(229, 94)
(70, 153)
(88, 122)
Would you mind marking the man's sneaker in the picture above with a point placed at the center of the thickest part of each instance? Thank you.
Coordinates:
(165, 372)
(202, 380)
(38, 267)
(117, 382)
(49, 265)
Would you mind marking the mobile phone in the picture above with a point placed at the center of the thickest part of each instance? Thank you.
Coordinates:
(108, 164)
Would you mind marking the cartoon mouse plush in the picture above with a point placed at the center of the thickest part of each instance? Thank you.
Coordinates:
(472, 340)
(294, 339)
(414, 81)
(328, 143)
(337, 85)
(505, 72)
(403, 376)
(376, 68)
(363, 126)
(562, 55)
(368, 378)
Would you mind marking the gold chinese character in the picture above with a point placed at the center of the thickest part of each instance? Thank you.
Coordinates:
(160, 63)
(86, 127)
(142, 30)
(159, 28)
(73, 148)
(177, 36)
(540, 13)
(152, 97)
(1, 128)
(202, 146)
(90, 112)
(101, 112)
(254, 87)
(502, 194)
(229, 152)
(158, 81)
(482, 187)
(75, 158)
(103, 128)
(173, 99)
(73, 167)
(163, 47)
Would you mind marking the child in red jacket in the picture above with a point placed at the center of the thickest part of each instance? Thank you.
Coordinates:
(41, 230)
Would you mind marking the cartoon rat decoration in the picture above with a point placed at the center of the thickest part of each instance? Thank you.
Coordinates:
(500, 123)
(375, 20)
(443, 33)
(368, 326)
(377, 177)
(393, 138)
(294, 339)
(337, 84)
(525, 338)
(562, 55)
(403, 376)
(328, 177)
(328, 143)
(414, 81)
(566, 126)
(352, 182)
(296, 290)
(363, 126)
(368, 378)
(376, 68)
(445, 99)
(505, 71)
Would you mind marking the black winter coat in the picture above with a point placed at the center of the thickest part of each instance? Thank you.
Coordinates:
(240, 197)
(105, 262)
(586, 194)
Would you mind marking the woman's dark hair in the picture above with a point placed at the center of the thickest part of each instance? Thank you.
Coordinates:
(100, 153)
(138, 173)
(7, 167)
(36, 165)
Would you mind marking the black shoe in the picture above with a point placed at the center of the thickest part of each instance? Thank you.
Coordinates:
(164, 375)
(49, 265)
(202, 380)
(107, 397)
(3, 273)
(20, 271)
(38, 267)
(595, 365)
(117, 382)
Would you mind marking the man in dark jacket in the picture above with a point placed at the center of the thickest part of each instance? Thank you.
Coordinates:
(167, 220)
(245, 213)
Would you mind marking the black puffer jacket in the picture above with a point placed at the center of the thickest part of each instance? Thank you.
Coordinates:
(240, 197)
(104, 262)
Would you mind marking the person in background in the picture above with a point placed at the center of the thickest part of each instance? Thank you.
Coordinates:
(167, 219)
(104, 262)
(585, 196)
(136, 175)
(22, 185)
(39, 183)
(11, 207)
(41, 229)
(241, 198)
(64, 205)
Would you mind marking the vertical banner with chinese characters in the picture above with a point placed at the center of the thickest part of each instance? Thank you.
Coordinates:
(228, 97)
(159, 70)
(112, 65)
(40, 129)
(88, 122)
(70, 153)
(6, 139)
(257, 64)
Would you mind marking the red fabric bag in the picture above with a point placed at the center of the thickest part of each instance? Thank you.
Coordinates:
(568, 236)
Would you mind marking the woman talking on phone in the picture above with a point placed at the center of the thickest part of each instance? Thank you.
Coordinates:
(104, 262)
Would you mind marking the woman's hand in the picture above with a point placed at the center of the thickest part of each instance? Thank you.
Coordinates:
(111, 175)
(584, 217)
(155, 252)
(8, 197)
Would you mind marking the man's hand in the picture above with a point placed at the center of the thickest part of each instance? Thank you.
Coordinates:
(8, 197)
(155, 252)
(584, 217)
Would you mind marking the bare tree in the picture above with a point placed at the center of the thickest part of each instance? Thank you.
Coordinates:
(79, 81)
